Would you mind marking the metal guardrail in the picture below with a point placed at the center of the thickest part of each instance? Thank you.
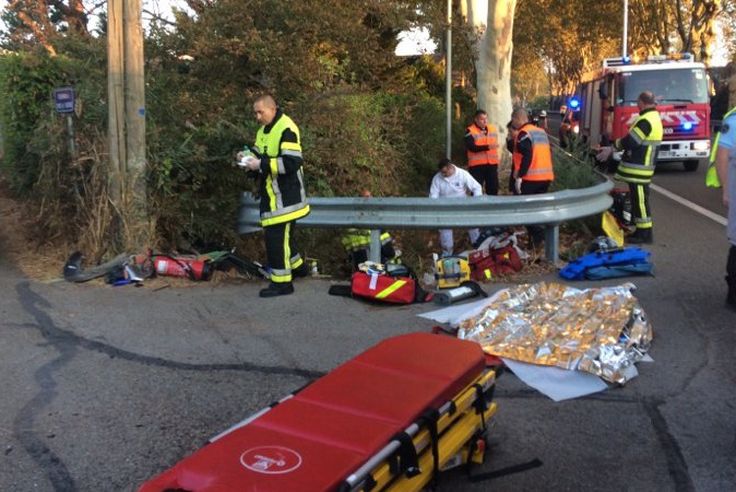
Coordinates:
(548, 210)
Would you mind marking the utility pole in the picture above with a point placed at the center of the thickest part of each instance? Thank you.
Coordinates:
(116, 98)
(126, 121)
(448, 79)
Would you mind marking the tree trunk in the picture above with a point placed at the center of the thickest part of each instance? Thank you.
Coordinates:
(493, 21)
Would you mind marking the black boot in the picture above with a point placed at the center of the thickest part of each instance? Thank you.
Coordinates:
(280, 289)
(641, 236)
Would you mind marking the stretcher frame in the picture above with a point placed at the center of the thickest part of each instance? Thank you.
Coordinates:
(445, 435)
(459, 421)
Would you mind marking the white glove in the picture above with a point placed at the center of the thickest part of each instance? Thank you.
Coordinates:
(604, 153)
(618, 155)
(517, 186)
(250, 162)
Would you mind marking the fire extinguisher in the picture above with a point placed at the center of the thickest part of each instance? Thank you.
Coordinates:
(182, 266)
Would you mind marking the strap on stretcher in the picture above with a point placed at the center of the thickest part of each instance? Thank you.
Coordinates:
(362, 476)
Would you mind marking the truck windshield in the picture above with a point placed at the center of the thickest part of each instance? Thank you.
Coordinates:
(683, 85)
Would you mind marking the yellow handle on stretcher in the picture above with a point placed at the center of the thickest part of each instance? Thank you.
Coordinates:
(455, 430)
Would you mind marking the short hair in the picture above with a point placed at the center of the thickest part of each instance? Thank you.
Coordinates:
(647, 97)
(267, 99)
(519, 113)
(479, 112)
(443, 162)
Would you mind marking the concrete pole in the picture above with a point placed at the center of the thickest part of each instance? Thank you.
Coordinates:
(116, 100)
(448, 80)
(625, 47)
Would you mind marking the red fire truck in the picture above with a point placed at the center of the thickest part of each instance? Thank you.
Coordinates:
(680, 86)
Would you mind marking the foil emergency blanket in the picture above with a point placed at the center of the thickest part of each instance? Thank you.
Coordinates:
(602, 330)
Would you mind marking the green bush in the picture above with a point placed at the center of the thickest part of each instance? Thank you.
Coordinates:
(573, 167)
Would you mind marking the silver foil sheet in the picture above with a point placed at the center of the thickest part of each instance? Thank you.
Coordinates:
(602, 331)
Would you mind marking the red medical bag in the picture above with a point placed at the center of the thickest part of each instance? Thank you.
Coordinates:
(384, 288)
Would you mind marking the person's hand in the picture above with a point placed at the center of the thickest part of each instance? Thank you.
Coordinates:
(604, 153)
(517, 186)
(253, 163)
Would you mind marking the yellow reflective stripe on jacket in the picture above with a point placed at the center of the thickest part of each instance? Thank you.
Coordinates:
(391, 289)
(288, 217)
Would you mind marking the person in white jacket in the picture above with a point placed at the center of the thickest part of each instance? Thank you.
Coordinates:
(453, 182)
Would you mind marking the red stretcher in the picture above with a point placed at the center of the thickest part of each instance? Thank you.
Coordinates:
(389, 419)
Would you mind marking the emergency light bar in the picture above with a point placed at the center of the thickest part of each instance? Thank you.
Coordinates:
(626, 60)
(616, 62)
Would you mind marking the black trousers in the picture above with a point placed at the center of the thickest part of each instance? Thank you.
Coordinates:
(640, 206)
(536, 233)
(487, 176)
(281, 251)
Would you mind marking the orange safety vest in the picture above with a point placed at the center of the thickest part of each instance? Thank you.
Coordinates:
(490, 138)
(541, 167)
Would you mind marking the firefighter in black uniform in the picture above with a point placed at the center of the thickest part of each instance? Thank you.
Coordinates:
(638, 161)
(278, 159)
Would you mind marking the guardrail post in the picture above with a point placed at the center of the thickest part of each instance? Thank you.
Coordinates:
(375, 251)
(552, 242)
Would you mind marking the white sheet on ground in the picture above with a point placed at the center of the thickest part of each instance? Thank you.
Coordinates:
(453, 315)
(558, 384)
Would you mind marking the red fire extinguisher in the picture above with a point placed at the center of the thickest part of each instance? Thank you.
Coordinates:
(183, 266)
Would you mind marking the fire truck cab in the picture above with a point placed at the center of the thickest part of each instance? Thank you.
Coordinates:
(680, 86)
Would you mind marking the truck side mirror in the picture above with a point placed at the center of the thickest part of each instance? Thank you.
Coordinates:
(602, 92)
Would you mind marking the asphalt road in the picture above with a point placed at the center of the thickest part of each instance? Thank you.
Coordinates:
(104, 387)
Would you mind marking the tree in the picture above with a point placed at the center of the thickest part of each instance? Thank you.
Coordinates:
(659, 26)
(43, 21)
(492, 23)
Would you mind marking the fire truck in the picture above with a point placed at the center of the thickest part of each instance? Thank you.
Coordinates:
(680, 86)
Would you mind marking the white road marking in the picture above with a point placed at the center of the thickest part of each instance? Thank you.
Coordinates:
(693, 206)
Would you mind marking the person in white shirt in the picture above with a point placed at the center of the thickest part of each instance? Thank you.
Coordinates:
(453, 182)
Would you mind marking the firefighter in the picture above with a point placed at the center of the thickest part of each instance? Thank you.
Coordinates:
(532, 171)
(357, 243)
(278, 160)
(638, 161)
(481, 144)
(725, 163)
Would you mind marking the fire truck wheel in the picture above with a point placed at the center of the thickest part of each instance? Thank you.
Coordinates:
(691, 165)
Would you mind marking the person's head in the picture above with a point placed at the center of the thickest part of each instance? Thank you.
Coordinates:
(265, 108)
(646, 100)
(519, 118)
(446, 167)
(480, 119)
(365, 194)
(542, 114)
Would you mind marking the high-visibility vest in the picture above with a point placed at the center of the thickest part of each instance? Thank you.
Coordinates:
(283, 198)
(640, 169)
(711, 176)
(540, 168)
(480, 137)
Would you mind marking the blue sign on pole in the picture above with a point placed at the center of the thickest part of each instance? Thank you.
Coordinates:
(64, 99)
